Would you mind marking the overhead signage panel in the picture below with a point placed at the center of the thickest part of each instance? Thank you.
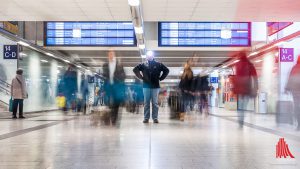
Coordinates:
(204, 34)
(89, 34)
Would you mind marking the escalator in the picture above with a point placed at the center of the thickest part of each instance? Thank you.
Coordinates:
(4, 95)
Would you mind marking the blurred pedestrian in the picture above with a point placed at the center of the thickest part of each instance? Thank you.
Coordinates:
(18, 93)
(97, 96)
(293, 86)
(185, 86)
(245, 83)
(70, 87)
(84, 90)
(202, 89)
(151, 75)
(114, 85)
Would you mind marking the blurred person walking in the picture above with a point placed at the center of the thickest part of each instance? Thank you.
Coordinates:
(202, 89)
(18, 93)
(293, 86)
(151, 75)
(185, 86)
(97, 96)
(70, 87)
(114, 85)
(245, 83)
(84, 90)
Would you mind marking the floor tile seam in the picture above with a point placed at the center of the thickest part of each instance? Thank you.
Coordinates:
(150, 139)
(260, 128)
(31, 129)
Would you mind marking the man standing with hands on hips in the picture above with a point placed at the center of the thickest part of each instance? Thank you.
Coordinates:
(151, 75)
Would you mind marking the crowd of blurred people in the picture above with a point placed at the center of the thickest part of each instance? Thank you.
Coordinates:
(193, 91)
(191, 94)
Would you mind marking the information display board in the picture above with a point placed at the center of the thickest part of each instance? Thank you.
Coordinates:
(204, 34)
(89, 34)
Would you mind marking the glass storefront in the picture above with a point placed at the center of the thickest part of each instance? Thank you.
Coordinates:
(43, 76)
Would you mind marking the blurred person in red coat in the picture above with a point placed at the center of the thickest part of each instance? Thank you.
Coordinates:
(245, 83)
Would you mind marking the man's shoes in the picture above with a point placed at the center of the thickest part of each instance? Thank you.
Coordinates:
(146, 121)
(155, 121)
(14, 117)
(21, 117)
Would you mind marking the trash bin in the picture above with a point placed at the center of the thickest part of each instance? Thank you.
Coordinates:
(262, 102)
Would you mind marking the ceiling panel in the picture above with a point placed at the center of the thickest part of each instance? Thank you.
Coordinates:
(153, 10)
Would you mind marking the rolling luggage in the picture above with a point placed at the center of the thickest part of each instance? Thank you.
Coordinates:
(284, 112)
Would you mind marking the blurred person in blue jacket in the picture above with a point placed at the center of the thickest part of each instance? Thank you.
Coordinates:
(114, 85)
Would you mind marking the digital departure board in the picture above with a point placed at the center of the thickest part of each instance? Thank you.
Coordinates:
(212, 34)
(89, 34)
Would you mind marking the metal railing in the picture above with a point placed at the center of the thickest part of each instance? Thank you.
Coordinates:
(2, 102)
(4, 90)
(3, 82)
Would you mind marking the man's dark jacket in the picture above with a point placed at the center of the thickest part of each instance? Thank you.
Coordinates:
(151, 73)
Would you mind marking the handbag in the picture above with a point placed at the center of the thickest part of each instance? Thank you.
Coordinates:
(11, 104)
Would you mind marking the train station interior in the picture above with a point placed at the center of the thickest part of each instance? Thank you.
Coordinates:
(149, 84)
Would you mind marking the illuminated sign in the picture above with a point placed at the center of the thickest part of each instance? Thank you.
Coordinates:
(89, 34)
(204, 34)
(10, 51)
(286, 54)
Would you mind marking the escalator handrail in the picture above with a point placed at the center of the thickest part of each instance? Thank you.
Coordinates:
(6, 84)
(5, 90)
(4, 102)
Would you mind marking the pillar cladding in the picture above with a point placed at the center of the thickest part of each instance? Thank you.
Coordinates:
(287, 64)
(213, 79)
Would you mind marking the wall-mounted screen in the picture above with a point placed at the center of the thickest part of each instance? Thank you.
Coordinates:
(89, 34)
(204, 34)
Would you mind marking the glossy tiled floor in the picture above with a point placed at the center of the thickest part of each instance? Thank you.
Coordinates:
(54, 140)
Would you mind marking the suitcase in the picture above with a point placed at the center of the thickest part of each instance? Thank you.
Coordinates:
(284, 112)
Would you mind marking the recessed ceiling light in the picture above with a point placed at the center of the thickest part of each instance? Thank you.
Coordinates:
(253, 53)
(134, 2)
(139, 30)
(44, 61)
(150, 53)
(142, 46)
(49, 54)
(23, 43)
(22, 54)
